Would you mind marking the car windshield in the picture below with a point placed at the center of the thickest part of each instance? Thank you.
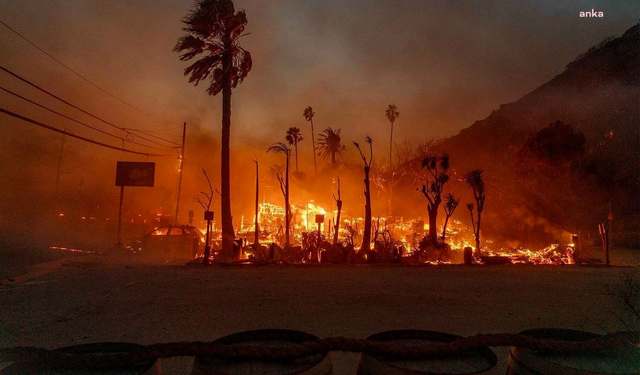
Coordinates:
(160, 232)
(176, 232)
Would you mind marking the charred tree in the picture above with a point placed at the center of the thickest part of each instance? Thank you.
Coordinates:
(438, 168)
(336, 227)
(206, 206)
(476, 183)
(366, 236)
(213, 31)
(281, 148)
(450, 205)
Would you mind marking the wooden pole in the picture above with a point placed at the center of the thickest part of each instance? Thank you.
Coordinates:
(55, 193)
(184, 133)
(256, 224)
(120, 216)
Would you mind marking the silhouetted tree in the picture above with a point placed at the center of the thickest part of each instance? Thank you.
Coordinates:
(281, 148)
(392, 115)
(330, 145)
(366, 236)
(214, 30)
(206, 206)
(293, 138)
(338, 200)
(476, 183)
(450, 205)
(438, 168)
(308, 115)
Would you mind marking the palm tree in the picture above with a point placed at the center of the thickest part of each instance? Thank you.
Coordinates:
(308, 115)
(281, 148)
(294, 137)
(213, 30)
(330, 145)
(366, 236)
(392, 115)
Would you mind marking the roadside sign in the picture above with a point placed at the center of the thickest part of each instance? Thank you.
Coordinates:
(208, 215)
(135, 173)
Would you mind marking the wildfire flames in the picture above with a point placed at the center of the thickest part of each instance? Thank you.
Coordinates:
(404, 234)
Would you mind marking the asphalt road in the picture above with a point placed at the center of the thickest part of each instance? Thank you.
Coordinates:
(92, 299)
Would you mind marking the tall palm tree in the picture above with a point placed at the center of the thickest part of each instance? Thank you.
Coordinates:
(330, 145)
(281, 148)
(213, 30)
(308, 115)
(392, 115)
(294, 137)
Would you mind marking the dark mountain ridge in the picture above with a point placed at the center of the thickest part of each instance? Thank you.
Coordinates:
(599, 95)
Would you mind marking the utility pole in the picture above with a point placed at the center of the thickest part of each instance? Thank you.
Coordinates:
(119, 244)
(55, 193)
(184, 133)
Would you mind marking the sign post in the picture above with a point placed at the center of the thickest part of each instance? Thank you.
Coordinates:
(208, 216)
(132, 174)
(119, 243)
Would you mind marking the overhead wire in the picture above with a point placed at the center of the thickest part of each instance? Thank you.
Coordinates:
(76, 121)
(76, 107)
(80, 75)
(49, 127)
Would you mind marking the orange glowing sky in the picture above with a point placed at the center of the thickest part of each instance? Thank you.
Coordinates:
(444, 64)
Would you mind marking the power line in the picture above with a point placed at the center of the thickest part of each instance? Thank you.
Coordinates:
(74, 106)
(154, 136)
(76, 121)
(34, 122)
(81, 76)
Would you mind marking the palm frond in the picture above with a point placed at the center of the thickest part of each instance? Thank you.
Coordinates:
(279, 148)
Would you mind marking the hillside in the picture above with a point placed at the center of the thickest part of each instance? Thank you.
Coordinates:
(598, 94)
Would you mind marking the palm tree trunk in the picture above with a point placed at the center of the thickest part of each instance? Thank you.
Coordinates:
(366, 236)
(391, 150)
(313, 144)
(296, 145)
(228, 234)
(287, 212)
(256, 225)
(390, 200)
(333, 160)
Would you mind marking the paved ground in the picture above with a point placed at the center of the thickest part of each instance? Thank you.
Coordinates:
(91, 299)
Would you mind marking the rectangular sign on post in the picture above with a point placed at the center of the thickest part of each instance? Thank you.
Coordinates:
(135, 173)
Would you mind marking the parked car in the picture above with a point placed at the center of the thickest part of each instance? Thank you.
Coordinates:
(169, 243)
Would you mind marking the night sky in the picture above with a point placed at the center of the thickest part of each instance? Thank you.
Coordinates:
(444, 64)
